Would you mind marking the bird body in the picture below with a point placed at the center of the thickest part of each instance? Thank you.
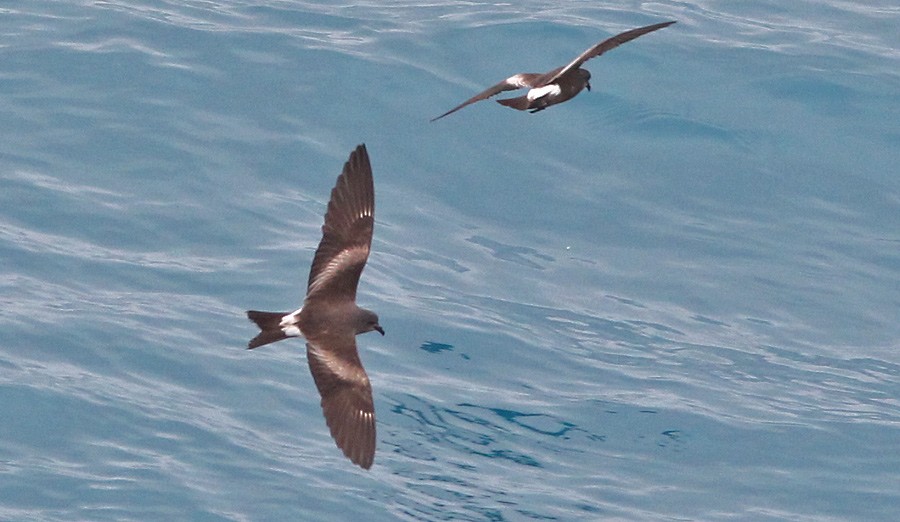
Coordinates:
(330, 319)
(539, 98)
(556, 86)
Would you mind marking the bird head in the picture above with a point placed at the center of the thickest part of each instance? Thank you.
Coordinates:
(586, 76)
(368, 321)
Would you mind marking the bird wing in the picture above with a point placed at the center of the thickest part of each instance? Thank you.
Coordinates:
(606, 45)
(347, 232)
(346, 396)
(512, 83)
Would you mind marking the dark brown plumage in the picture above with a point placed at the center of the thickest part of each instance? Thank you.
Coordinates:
(330, 320)
(558, 85)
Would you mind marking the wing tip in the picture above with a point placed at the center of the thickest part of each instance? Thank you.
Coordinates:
(448, 113)
(358, 160)
(357, 443)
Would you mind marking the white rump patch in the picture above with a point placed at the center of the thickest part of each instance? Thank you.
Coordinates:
(551, 90)
(291, 318)
(292, 331)
(289, 324)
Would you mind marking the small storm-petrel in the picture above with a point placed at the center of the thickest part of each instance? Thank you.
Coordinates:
(329, 319)
(558, 85)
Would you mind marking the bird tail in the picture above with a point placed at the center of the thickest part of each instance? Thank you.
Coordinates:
(521, 103)
(270, 325)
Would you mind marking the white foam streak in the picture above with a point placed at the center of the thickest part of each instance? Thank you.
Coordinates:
(31, 240)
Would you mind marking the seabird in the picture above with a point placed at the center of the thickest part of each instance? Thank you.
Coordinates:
(558, 85)
(329, 319)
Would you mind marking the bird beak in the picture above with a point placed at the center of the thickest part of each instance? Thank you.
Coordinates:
(379, 329)
(588, 85)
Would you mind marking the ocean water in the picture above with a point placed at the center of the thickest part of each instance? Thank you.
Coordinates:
(675, 297)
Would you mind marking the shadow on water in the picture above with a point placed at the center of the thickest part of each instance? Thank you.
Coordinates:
(454, 458)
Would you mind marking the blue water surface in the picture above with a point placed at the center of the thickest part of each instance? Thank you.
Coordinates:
(675, 297)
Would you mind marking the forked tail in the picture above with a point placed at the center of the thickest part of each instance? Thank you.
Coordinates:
(270, 325)
(521, 103)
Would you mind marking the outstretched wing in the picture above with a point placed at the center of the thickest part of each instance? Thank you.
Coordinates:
(606, 45)
(346, 396)
(512, 83)
(347, 232)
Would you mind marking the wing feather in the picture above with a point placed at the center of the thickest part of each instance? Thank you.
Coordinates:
(347, 232)
(606, 45)
(346, 396)
(517, 81)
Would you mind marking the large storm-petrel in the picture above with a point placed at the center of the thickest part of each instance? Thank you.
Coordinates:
(558, 85)
(329, 319)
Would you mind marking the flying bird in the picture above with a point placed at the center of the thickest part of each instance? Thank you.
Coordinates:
(330, 320)
(558, 85)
